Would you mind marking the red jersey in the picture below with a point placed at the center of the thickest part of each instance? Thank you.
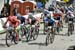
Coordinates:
(13, 21)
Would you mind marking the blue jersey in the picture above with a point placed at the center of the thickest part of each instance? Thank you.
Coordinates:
(22, 20)
(47, 20)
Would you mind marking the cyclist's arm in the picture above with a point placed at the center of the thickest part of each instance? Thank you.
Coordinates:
(52, 19)
(37, 20)
(17, 21)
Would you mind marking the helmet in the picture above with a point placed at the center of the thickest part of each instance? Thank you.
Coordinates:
(18, 16)
(69, 12)
(30, 15)
(46, 12)
(49, 15)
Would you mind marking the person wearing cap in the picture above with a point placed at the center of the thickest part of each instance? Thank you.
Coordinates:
(48, 21)
(70, 17)
(21, 18)
(32, 20)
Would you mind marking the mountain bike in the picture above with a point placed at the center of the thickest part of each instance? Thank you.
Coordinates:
(50, 35)
(10, 36)
(33, 32)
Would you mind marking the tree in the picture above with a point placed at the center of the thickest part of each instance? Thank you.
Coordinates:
(43, 1)
(7, 1)
(7, 6)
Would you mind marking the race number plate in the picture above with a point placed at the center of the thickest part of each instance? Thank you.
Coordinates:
(33, 25)
(70, 21)
(50, 27)
(27, 25)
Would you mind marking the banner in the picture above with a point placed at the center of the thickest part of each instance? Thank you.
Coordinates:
(66, 0)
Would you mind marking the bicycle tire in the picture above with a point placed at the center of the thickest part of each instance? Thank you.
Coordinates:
(69, 30)
(14, 38)
(29, 36)
(36, 34)
(47, 38)
(52, 37)
(8, 38)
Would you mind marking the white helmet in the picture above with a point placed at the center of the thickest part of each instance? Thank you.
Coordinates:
(30, 15)
(18, 15)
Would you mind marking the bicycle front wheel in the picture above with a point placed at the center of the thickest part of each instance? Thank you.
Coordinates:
(8, 39)
(48, 38)
(52, 37)
(36, 33)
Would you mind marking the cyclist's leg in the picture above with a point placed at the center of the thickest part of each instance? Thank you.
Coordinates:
(17, 35)
(15, 29)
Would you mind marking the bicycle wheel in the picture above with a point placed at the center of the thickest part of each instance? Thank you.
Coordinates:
(14, 38)
(26, 32)
(52, 37)
(69, 30)
(22, 32)
(36, 33)
(58, 30)
(8, 39)
(33, 33)
(48, 38)
(28, 36)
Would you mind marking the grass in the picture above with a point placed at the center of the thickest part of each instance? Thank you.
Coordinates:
(2, 31)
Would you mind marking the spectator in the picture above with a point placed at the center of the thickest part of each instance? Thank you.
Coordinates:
(4, 11)
(27, 10)
(15, 11)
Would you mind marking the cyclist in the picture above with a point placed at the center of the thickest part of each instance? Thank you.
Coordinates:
(70, 17)
(14, 22)
(32, 20)
(48, 20)
(22, 21)
(57, 16)
(21, 18)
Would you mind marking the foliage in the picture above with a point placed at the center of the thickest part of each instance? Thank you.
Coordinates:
(43, 1)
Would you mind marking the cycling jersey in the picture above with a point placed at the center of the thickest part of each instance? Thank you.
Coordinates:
(70, 16)
(49, 21)
(13, 21)
(22, 20)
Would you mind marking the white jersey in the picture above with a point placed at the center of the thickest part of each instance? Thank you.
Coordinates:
(71, 15)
